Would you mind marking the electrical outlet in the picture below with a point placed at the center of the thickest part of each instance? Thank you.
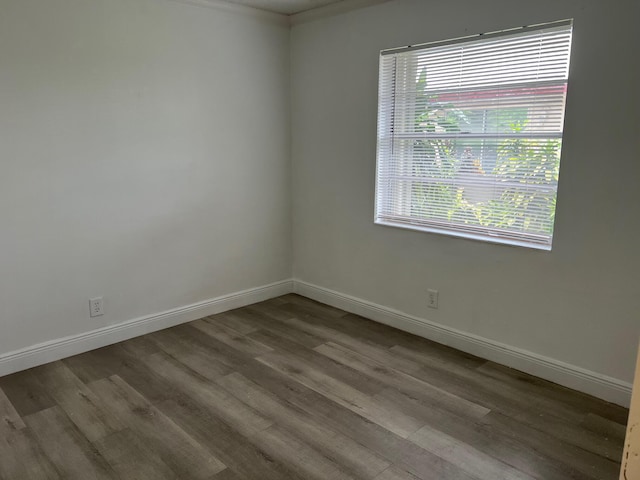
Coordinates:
(432, 299)
(96, 307)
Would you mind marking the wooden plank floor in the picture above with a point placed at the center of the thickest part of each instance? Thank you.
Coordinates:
(293, 389)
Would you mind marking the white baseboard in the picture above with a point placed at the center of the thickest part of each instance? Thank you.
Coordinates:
(572, 376)
(65, 347)
(596, 384)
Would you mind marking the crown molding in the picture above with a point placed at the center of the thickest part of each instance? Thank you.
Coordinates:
(331, 10)
(303, 17)
(237, 8)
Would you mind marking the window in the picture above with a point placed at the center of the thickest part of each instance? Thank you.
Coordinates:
(470, 134)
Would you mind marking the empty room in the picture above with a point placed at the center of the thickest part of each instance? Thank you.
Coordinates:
(319, 239)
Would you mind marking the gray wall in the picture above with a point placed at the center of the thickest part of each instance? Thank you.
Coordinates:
(576, 304)
(144, 150)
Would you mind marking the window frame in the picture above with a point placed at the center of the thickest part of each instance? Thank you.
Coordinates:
(385, 151)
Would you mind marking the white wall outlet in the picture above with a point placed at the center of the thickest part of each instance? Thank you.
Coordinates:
(96, 307)
(432, 299)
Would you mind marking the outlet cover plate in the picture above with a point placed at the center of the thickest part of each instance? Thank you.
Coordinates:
(432, 299)
(96, 307)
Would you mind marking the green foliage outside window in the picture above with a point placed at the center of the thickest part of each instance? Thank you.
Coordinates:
(523, 172)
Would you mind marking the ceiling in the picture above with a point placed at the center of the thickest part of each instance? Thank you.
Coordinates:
(287, 7)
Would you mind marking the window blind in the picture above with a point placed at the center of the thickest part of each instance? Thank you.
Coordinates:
(470, 135)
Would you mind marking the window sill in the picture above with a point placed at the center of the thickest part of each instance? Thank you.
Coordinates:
(468, 236)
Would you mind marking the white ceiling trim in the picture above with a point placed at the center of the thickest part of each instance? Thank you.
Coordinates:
(237, 8)
(331, 10)
(302, 17)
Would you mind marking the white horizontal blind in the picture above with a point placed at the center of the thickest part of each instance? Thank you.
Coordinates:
(470, 134)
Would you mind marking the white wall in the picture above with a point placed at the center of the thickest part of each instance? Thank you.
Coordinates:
(144, 156)
(577, 304)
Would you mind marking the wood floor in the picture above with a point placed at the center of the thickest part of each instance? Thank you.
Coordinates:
(293, 389)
